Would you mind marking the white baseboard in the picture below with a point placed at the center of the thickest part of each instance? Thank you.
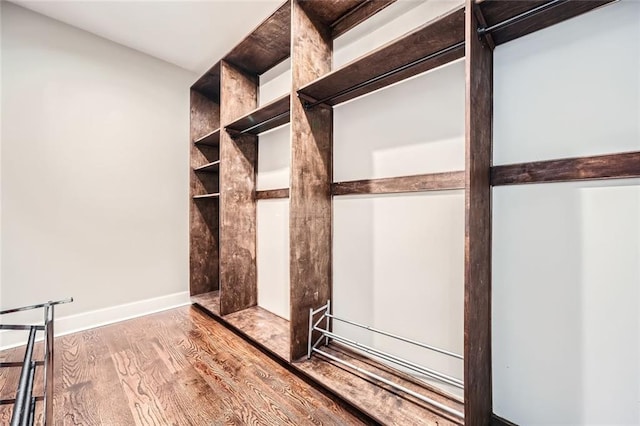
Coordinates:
(86, 320)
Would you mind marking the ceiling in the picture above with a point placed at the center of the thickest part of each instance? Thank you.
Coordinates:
(190, 34)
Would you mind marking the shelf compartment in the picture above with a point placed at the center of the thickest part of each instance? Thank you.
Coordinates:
(613, 166)
(210, 139)
(436, 43)
(209, 83)
(212, 167)
(394, 185)
(206, 196)
(209, 301)
(377, 399)
(267, 117)
(342, 15)
(264, 328)
(267, 45)
(535, 15)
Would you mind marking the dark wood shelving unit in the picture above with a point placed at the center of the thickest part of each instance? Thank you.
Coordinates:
(210, 139)
(267, 117)
(223, 261)
(211, 167)
(378, 68)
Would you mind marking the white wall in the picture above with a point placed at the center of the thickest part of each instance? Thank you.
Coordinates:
(94, 172)
(399, 259)
(566, 257)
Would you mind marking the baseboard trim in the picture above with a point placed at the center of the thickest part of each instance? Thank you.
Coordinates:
(100, 317)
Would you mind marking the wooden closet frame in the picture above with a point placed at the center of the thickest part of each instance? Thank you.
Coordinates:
(226, 121)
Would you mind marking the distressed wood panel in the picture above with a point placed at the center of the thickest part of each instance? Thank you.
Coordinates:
(265, 118)
(357, 15)
(418, 183)
(238, 159)
(263, 327)
(311, 177)
(270, 194)
(495, 11)
(612, 166)
(477, 291)
(267, 45)
(209, 83)
(441, 33)
(386, 405)
(209, 301)
(203, 216)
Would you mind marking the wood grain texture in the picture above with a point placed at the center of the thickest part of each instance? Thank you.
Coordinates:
(208, 301)
(417, 183)
(265, 118)
(270, 194)
(495, 11)
(263, 327)
(477, 292)
(612, 166)
(209, 84)
(203, 215)
(266, 46)
(210, 139)
(383, 403)
(441, 33)
(356, 15)
(343, 15)
(176, 367)
(238, 160)
(311, 177)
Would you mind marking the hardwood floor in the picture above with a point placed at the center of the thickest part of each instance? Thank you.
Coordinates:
(178, 367)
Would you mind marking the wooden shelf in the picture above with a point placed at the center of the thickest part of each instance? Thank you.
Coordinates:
(442, 33)
(496, 11)
(206, 196)
(267, 45)
(208, 168)
(209, 301)
(264, 328)
(209, 83)
(376, 399)
(210, 139)
(265, 118)
(342, 15)
(394, 185)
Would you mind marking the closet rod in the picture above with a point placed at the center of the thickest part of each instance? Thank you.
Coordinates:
(404, 339)
(394, 385)
(524, 15)
(309, 105)
(235, 133)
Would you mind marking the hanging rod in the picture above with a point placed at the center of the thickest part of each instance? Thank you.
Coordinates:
(522, 16)
(395, 336)
(394, 359)
(309, 105)
(394, 385)
(236, 133)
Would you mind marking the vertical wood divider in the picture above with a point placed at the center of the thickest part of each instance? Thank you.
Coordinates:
(203, 214)
(477, 294)
(311, 177)
(238, 161)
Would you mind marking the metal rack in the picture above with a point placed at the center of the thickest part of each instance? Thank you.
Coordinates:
(24, 403)
(326, 335)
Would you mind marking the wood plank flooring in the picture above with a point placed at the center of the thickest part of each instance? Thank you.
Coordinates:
(178, 367)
